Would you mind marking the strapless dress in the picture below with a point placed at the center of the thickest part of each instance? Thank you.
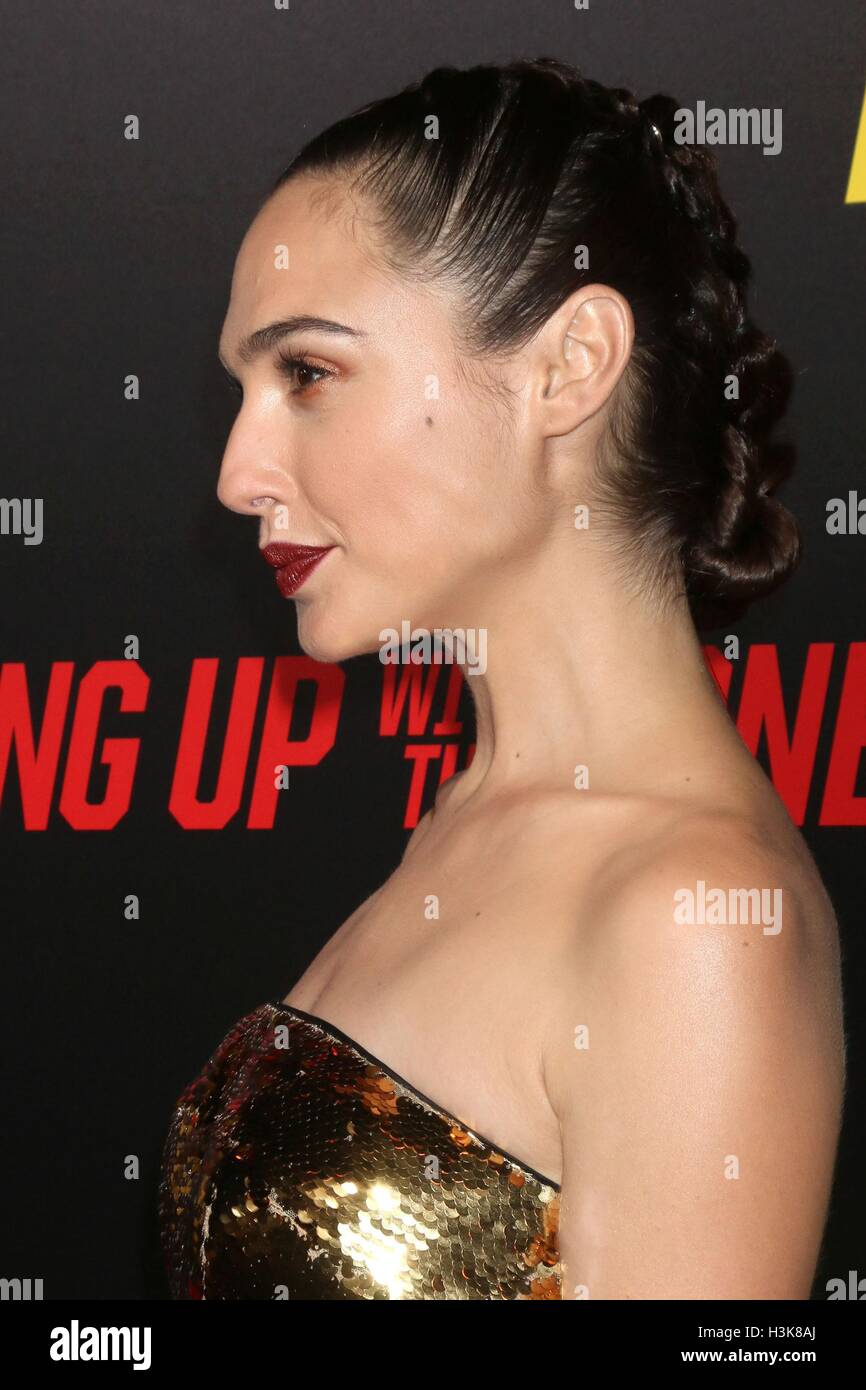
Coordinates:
(300, 1166)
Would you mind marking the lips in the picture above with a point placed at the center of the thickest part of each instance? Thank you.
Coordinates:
(293, 563)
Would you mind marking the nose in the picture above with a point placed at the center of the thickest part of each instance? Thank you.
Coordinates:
(250, 481)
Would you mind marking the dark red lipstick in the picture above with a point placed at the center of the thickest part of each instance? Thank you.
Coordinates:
(293, 563)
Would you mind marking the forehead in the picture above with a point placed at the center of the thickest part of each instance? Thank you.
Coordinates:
(308, 252)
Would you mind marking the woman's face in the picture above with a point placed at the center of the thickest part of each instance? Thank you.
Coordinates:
(383, 445)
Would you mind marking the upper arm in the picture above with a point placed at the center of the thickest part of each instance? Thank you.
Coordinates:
(699, 1122)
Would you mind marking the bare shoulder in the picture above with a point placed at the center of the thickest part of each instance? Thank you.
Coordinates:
(708, 906)
(713, 884)
(696, 1035)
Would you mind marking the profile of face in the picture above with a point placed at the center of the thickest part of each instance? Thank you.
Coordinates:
(384, 443)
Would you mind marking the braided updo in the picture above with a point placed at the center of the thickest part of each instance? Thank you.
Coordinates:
(526, 163)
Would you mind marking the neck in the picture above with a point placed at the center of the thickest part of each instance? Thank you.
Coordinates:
(584, 673)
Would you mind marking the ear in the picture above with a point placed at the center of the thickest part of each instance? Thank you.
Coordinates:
(582, 352)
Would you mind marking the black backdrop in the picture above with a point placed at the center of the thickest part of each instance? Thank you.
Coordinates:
(117, 258)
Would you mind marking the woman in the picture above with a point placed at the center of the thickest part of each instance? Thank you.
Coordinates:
(498, 375)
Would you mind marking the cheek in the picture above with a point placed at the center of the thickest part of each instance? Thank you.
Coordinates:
(432, 499)
(408, 481)
(393, 471)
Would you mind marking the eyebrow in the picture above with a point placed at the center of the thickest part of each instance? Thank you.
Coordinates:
(263, 339)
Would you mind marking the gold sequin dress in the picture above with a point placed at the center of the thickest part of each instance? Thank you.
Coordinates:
(297, 1165)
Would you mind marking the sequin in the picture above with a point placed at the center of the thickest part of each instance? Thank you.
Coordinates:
(298, 1166)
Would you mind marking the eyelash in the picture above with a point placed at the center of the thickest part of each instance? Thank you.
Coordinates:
(288, 364)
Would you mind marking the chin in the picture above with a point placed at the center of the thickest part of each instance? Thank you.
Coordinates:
(322, 639)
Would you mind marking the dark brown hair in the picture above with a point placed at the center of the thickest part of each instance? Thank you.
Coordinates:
(531, 160)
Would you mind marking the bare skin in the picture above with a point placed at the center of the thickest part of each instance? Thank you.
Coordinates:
(694, 1132)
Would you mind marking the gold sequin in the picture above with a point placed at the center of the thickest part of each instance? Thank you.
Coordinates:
(298, 1166)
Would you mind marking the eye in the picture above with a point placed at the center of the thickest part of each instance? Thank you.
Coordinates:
(298, 368)
(232, 381)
